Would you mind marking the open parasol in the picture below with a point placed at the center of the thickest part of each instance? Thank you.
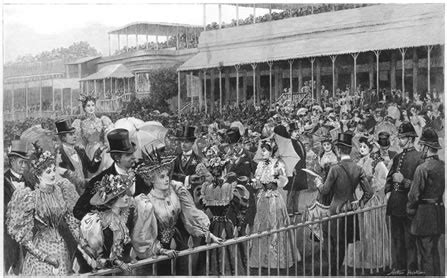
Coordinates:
(287, 153)
(150, 135)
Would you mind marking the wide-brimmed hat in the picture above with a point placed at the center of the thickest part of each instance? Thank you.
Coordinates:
(119, 141)
(344, 139)
(406, 129)
(185, 133)
(111, 187)
(430, 138)
(384, 139)
(19, 148)
(301, 111)
(64, 126)
(154, 161)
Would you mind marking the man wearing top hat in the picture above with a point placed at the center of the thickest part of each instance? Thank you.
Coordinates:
(425, 205)
(13, 179)
(188, 167)
(242, 164)
(73, 159)
(122, 151)
(341, 183)
(397, 186)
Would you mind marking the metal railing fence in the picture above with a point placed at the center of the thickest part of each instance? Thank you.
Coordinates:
(370, 226)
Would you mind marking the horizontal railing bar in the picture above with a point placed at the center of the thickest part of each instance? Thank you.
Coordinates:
(238, 240)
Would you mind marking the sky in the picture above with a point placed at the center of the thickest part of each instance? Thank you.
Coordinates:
(33, 28)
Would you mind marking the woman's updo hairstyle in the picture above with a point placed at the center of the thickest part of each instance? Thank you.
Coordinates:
(84, 99)
(366, 141)
(269, 146)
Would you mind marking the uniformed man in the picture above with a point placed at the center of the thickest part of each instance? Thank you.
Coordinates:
(425, 204)
(399, 179)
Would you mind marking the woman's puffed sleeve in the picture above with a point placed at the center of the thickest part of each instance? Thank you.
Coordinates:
(196, 221)
(280, 169)
(69, 193)
(78, 131)
(20, 220)
(144, 234)
(107, 124)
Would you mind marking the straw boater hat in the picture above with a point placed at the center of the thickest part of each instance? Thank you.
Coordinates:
(19, 149)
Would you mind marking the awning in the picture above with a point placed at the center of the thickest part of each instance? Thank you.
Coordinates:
(112, 71)
(378, 27)
(156, 29)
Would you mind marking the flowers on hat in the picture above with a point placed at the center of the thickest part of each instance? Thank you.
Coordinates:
(113, 185)
(41, 159)
(84, 98)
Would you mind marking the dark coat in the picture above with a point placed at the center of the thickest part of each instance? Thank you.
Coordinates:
(87, 164)
(406, 163)
(425, 198)
(342, 187)
(83, 205)
(299, 179)
(341, 182)
(13, 252)
(179, 172)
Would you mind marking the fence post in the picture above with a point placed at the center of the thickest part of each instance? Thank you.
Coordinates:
(207, 263)
(248, 246)
(190, 246)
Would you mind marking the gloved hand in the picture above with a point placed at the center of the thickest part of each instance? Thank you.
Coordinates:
(398, 177)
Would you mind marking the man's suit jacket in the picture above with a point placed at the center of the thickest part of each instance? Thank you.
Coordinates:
(83, 205)
(299, 180)
(88, 165)
(180, 172)
(12, 250)
(342, 187)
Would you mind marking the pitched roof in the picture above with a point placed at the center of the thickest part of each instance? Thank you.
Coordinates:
(371, 28)
(156, 28)
(83, 60)
(111, 71)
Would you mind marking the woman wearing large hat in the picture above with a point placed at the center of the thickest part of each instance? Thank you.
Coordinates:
(156, 227)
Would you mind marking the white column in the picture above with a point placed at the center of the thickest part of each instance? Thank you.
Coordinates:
(204, 19)
(71, 101)
(254, 13)
(237, 14)
(312, 60)
(254, 83)
(402, 52)
(220, 90)
(220, 16)
(204, 91)
(237, 67)
(190, 90)
(178, 93)
(270, 63)
(333, 74)
(429, 48)
(291, 78)
(40, 98)
(354, 56)
(377, 52)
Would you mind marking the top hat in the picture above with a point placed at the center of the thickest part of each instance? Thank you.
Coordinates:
(119, 141)
(292, 126)
(281, 131)
(384, 139)
(186, 133)
(430, 138)
(19, 148)
(406, 129)
(344, 139)
(63, 126)
(233, 135)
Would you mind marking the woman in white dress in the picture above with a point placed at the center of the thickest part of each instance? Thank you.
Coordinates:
(373, 248)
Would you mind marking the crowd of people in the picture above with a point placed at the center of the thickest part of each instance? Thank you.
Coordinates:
(91, 204)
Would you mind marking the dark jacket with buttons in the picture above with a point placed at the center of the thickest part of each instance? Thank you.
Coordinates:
(406, 163)
(425, 198)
